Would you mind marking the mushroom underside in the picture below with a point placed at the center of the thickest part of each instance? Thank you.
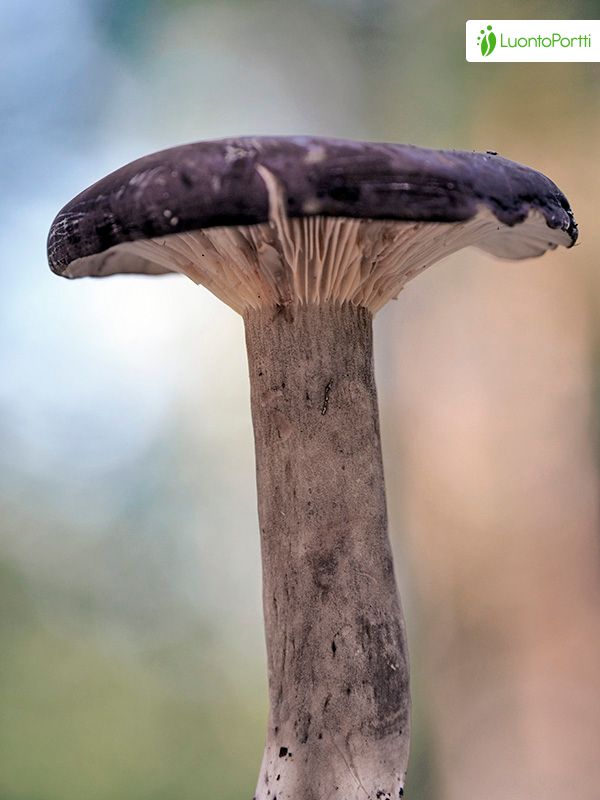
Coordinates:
(318, 259)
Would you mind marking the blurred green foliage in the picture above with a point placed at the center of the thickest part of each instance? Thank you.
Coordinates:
(78, 720)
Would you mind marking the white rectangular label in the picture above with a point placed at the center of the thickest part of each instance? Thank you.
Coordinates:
(533, 40)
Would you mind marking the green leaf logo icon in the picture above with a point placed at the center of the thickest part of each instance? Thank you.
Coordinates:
(487, 41)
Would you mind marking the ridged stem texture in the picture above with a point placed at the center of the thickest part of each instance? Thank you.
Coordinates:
(338, 669)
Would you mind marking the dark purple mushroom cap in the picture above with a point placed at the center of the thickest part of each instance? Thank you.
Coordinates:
(212, 184)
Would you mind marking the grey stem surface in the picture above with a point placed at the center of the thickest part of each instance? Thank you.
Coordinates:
(339, 721)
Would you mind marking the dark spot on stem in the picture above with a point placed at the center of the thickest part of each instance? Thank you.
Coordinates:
(326, 398)
(283, 751)
(381, 643)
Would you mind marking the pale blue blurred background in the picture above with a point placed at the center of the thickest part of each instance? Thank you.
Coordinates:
(131, 650)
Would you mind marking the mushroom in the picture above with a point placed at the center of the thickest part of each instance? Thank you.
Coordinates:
(307, 238)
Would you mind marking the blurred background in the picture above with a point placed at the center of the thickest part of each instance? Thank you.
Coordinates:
(131, 649)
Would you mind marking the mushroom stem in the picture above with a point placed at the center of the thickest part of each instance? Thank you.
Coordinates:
(339, 721)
